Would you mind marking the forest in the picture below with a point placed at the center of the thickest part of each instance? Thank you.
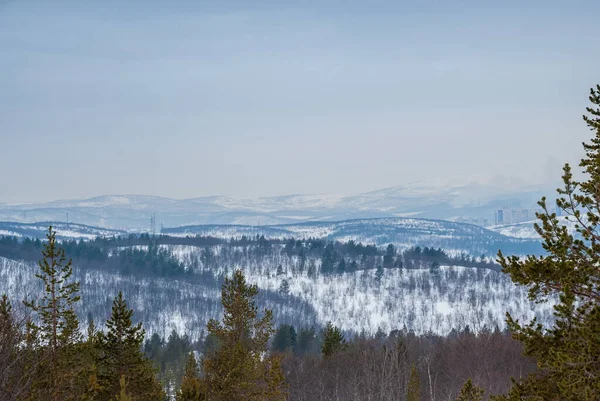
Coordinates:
(45, 349)
(149, 255)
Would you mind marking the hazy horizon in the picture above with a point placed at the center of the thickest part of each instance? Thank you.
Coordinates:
(187, 100)
(505, 185)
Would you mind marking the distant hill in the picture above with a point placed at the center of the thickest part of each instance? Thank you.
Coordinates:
(448, 199)
(63, 230)
(402, 232)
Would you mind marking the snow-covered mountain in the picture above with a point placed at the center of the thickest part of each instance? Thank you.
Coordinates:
(402, 232)
(63, 230)
(471, 197)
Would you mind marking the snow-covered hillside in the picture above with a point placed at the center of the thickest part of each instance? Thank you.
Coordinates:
(417, 299)
(423, 299)
(526, 229)
(402, 232)
(63, 230)
(161, 304)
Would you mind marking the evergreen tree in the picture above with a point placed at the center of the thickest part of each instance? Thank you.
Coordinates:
(342, 266)
(328, 259)
(284, 288)
(15, 378)
(211, 344)
(276, 386)
(470, 392)
(284, 339)
(89, 354)
(307, 341)
(191, 386)
(413, 392)
(388, 258)
(238, 370)
(57, 326)
(333, 340)
(121, 357)
(569, 351)
(122, 396)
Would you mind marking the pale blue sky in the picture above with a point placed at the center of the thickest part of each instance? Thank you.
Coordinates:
(186, 99)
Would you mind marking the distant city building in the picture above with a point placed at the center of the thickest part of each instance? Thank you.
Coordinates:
(508, 215)
(500, 216)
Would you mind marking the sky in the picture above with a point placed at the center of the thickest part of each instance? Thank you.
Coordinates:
(243, 98)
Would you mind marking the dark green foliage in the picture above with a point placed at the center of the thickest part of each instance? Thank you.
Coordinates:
(284, 339)
(154, 261)
(56, 329)
(237, 369)
(211, 344)
(191, 387)
(328, 259)
(307, 341)
(333, 340)
(568, 353)
(15, 360)
(58, 322)
(170, 357)
(470, 392)
(120, 350)
(118, 255)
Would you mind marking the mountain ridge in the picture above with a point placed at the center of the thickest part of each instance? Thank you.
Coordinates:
(469, 198)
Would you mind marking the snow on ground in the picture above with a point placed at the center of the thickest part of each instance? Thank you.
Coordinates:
(10, 233)
(417, 299)
(527, 230)
(411, 299)
(420, 300)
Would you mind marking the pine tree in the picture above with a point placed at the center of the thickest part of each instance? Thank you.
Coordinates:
(284, 339)
(121, 357)
(15, 377)
(58, 328)
(9, 340)
(569, 351)
(388, 258)
(122, 396)
(306, 341)
(470, 392)
(413, 392)
(88, 354)
(276, 386)
(237, 369)
(341, 268)
(333, 340)
(284, 288)
(191, 386)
